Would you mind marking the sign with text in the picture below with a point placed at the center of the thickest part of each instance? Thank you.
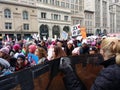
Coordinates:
(75, 30)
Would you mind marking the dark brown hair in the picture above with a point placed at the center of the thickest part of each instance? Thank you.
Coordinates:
(59, 52)
(42, 52)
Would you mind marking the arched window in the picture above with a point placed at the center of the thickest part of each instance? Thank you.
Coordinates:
(7, 13)
(25, 15)
(44, 32)
(56, 31)
(98, 31)
(105, 32)
(66, 29)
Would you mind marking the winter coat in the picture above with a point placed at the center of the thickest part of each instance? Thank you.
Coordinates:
(109, 77)
(72, 82)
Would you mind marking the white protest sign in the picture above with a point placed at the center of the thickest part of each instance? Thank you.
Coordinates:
(64, 35)
(75, 30)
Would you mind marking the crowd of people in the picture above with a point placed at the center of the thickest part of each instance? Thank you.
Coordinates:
(108, 78)
(15, 56)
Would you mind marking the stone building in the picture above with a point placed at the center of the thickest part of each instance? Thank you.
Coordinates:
(18, 18)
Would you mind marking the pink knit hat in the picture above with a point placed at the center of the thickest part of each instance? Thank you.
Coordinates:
(33, 48)
(4, 50)
(16, 47)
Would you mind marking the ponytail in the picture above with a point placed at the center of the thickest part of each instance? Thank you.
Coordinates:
(118, 53)
(118, 59)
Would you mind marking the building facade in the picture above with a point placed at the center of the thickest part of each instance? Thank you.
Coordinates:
(89, 22)
(48, 18)
(102, 17)
(18, 18)
(59, 15)
(53, 18)
(115, 18)
(100, 9)
(89, 12)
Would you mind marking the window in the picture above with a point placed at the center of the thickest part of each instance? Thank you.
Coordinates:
(72, 6)
(59, 17)
(62, 4)
(39, 0)
(55, 16)
(57, 3)
(52, 2)
(80, 8)
(8, 25)
(51, 16)
(67, 5)
(68, 0)
(76, 1)
(72, 1)
(76, 7)
(7, 13)
(66, 18)
(43, 15)
(77, 22)
(26, 26)
(45, 1)
(25, 15)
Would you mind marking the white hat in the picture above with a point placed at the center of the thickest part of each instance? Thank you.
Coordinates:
(70, 42)
(4, 62)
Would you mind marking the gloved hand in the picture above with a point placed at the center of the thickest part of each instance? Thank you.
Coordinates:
(71, 81)
(65, 65)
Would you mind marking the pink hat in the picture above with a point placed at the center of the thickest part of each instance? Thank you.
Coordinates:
(33, 48)
(4, 50)
(16, 47)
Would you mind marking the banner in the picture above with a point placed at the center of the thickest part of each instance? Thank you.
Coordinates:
(75, 30)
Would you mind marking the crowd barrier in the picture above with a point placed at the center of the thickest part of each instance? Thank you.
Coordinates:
(48, 76)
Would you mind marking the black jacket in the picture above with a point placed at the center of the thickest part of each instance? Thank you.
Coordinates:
(109, 77)
(72, 82)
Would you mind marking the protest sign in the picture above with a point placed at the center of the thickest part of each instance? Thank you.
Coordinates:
(64, 35)
(75, 30)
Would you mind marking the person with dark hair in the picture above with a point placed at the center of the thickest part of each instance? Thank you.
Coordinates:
(69, 48)
(84, 49)
(93, 50)
(21, 63)
(43, 45)
(57, 52)
(15, 50)
(60, 44)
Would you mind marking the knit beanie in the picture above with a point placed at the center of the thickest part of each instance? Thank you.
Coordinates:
(33, 48)
(16, 47)
(21, 56)
(4, 50)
